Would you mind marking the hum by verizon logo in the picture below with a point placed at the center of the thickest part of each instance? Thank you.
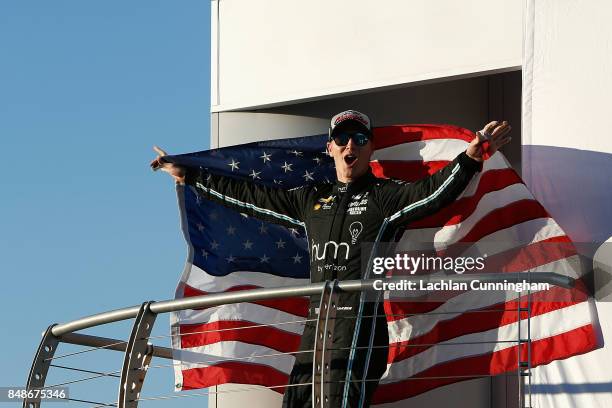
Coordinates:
(319, 251)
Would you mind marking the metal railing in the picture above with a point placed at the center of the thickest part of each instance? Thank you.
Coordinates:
(138, 351)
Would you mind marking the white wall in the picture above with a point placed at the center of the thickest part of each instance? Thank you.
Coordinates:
(571, 74)
(567, 162)
(243, 396)
(231, 128)
(269, 52)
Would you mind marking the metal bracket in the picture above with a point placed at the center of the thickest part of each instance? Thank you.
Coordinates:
(40, 366)
(324, 337)
(137, 358)
(524, 362)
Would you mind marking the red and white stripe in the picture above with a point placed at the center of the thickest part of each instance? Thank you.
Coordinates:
(244, 343)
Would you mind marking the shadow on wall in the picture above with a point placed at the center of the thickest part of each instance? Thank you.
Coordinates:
(575, 186)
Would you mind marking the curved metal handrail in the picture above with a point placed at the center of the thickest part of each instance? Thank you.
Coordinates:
(289, 291)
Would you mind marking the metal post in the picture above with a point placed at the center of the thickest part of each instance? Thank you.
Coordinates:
(527, 374)
(40, 366)
(524, 364)
(324, 336)
(136, 359)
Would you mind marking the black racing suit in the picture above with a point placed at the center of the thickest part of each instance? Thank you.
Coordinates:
(338, 218)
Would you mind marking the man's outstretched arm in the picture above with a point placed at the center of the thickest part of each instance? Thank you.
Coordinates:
(402, 202)
(275, 205)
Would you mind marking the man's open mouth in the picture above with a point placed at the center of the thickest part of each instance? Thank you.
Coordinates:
(350, 159)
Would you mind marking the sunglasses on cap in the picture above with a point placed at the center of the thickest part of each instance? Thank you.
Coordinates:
(359, 138)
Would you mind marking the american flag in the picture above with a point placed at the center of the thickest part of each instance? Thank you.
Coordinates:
(229, 251)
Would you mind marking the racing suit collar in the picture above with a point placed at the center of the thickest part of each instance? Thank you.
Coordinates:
(356, 185)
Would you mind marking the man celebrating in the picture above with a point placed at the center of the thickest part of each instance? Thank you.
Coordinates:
(339, 217)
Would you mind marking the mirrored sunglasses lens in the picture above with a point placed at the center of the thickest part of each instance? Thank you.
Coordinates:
(361, 139)
(341, 139)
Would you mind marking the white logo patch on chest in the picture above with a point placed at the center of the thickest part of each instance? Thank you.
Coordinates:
(358, 204)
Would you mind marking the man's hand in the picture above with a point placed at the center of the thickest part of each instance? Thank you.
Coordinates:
(177, 172)
(489, 140)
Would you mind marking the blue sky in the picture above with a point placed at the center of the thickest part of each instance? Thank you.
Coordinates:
(86, 88)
